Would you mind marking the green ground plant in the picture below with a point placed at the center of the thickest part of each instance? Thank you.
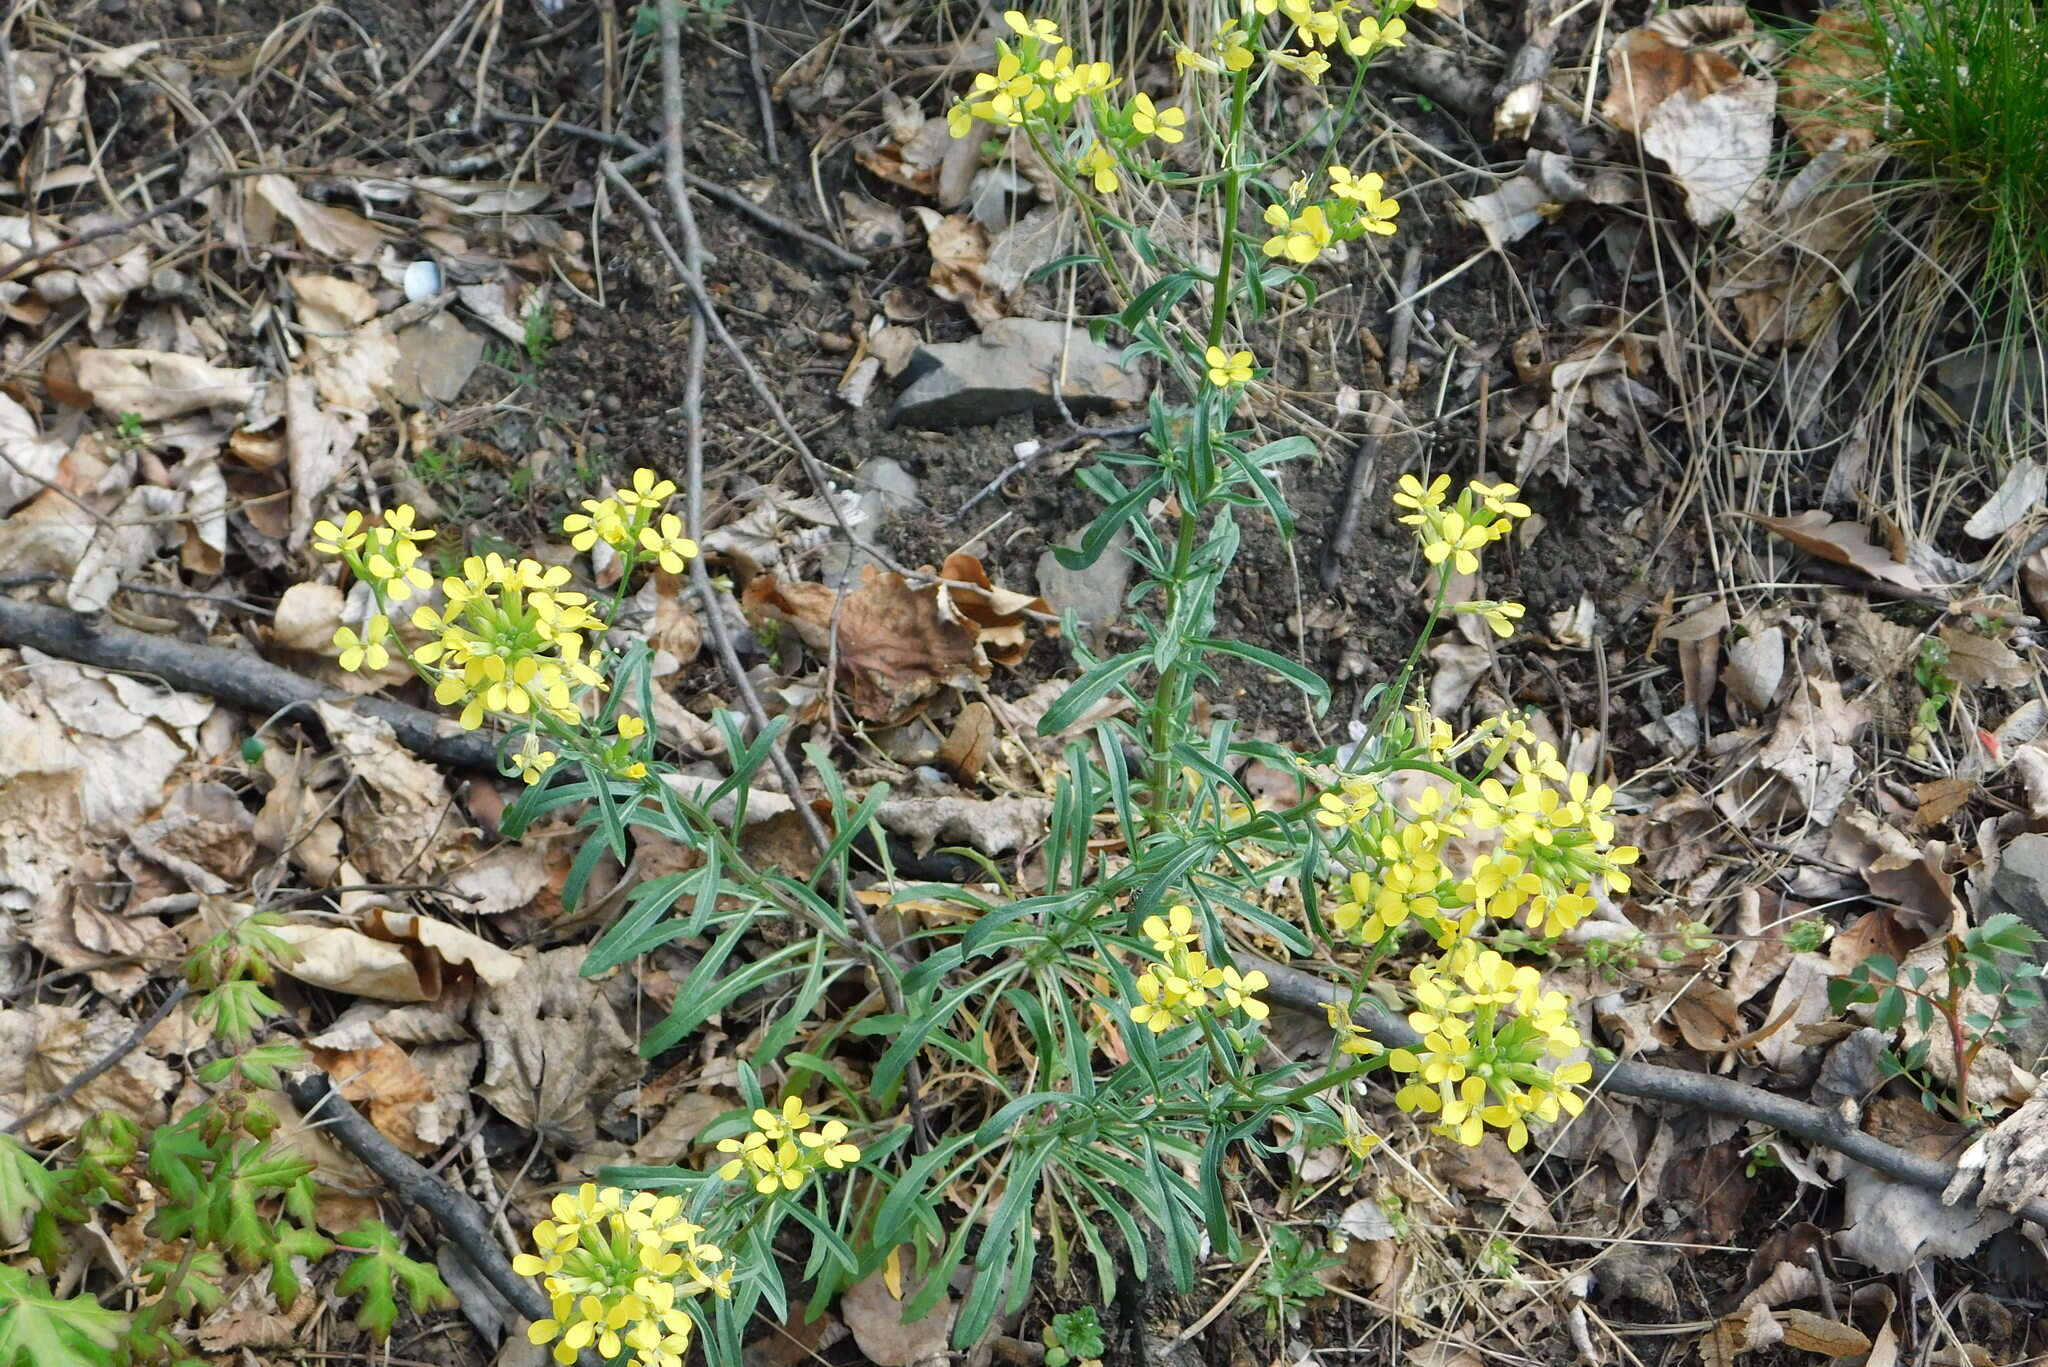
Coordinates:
(1121, 971)
(230, 1197)
(1984, 989)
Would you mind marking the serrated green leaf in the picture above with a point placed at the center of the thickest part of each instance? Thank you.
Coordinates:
(377, 1274)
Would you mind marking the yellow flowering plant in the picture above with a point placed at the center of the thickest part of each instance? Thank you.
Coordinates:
(1124, 972)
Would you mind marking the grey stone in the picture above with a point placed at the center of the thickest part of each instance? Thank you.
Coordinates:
(435, 360)
(1011, 368)
(886, 488)
(1096, 594)
(1971, 382)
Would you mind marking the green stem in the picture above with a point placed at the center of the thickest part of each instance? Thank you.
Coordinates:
(1233, 199)
(1225, 1060)
(1166, 707)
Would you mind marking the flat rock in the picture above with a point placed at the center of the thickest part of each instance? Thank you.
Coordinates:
(435, 360)
(1011, 368)
(1095, 595)
(2020, 888)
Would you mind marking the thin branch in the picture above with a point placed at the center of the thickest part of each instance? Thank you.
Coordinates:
(1303, 991)
(240, 678)
(643, 155)
(106, 1061)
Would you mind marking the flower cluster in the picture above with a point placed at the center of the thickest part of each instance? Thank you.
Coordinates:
(510, 640)
(782, 1150)
(1550, 844)
(1478, 1068)
(1037, 80)
(1317, 28)
(1184, 985)
(1454, 533)
(633, 523)
(384, 554)
(1303, 229)
(616, 1272)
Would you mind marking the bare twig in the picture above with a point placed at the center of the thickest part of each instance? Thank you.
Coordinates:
(239, 678)
(106, 1061)
(1381, 421)
(710, 189)
(1304, 991)
(762, 99)
(689, 264)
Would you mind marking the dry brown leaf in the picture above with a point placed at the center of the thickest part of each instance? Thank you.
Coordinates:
(1941, 799)
(1899, 869)
(1825, 81)
(1706, 1016)
(1818, 1334)
(399, 816)
(351, 352)
(160, 384)
(966, 747)
(876, 1318)
(897, 646)
(555, 1054)
(383, 1083)
(451, 945)
(1813, 750)
(959, 249)
(1743, 1331)
(1491, 1172)
(1645, 69)
(318, 440)
(1976, 660)
(1844, 543)
(998, 614)
(30, 461)
(343, 959)
(334, 233)
(46, 1046)
(1718, 147)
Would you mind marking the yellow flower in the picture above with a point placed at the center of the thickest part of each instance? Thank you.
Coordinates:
(1372, 35)
(603, 519)
(1456, 540)
(1350, 806)
(1300, 238)
(1044, 30)
(1228, 367)
(960, 119)
(1499, 616)
(1376, 212)
(631, 727)
(328, 539)
(367, 650)
(831, 1152)
(1187, 59)
(1238, 989)
(782, 1124)
(1311, 64)
(531, 761)
(1100, 167)
(1235, 47)
(1413, 493)
(668, 545)
(649, 491)
(1165, 124)
(1501, 498)
(1175, 930)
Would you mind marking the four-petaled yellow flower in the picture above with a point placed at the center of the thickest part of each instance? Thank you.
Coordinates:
(782, 1150)
(1044, 30)
(1372, 35)
(1228, 367)
(1165, 124)
(1100, 167)
(531, 761)
(1350, 805)
(1175, 930)
(1500, 616)
(329, 539)
(367, 650)
(1300, 237)
(649, 491)
(667, 544)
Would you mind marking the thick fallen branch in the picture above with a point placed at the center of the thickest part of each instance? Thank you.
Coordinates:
(239, 678)
(1304, 991)
(460, 1217)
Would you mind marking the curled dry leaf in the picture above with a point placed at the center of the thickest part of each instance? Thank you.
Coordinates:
(1694, 110)
(334, 233)
(1845, 543)
(1826, 82)
(998, 614)
(897, 646)
(382, 1081)
(350, 352)
(29, 461)
(959, 248)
